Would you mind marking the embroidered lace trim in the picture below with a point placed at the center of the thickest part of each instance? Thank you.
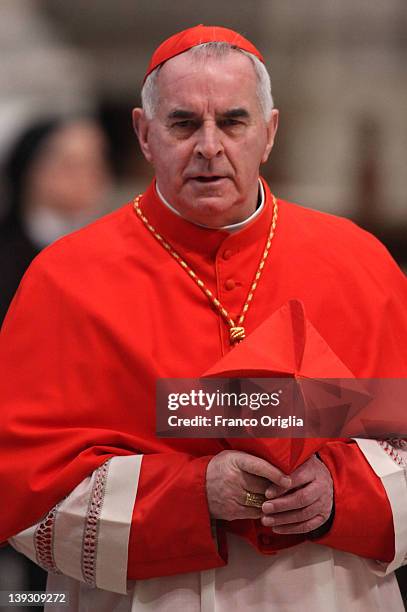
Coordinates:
(90, 534)
(44, 541)
(395, 448)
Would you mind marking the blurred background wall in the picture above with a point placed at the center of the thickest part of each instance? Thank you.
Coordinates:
(339, 79)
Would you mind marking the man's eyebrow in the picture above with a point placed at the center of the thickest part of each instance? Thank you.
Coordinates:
(236, 113)
(180, 113)
(233, 113)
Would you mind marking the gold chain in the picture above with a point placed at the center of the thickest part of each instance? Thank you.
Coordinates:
(236, 330)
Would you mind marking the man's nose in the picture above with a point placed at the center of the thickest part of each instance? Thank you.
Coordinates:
(209, 141)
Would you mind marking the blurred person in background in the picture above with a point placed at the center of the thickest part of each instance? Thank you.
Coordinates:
(57, 178)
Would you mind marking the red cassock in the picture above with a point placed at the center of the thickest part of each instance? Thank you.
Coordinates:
(104, 312)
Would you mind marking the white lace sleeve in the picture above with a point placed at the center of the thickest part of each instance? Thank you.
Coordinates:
(86, 535)
(388, 458)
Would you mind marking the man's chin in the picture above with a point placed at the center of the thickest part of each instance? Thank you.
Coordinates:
(208, 184)
(212, 193)
(211, 211)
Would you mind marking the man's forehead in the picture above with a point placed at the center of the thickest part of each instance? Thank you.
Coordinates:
(188, 64)
(190, 106)
(230, 82)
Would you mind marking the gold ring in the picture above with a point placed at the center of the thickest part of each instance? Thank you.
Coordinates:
(255, 500)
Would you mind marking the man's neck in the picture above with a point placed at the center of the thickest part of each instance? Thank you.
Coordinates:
(233, 227)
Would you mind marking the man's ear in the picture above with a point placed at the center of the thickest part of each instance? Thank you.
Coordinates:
(272, 126)
(141, 127)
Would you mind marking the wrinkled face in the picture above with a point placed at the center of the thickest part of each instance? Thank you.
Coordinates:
(208, 137)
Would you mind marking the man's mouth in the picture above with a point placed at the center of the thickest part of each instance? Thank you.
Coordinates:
(207, 179)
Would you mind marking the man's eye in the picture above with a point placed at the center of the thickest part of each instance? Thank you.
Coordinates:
(230, 122)
(185, 123)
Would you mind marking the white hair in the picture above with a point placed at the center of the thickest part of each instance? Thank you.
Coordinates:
(149, 93)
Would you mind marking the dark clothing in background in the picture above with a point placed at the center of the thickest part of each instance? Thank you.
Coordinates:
(16, 253)
(16, 248)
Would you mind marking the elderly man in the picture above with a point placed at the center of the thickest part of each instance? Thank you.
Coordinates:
(196, 270)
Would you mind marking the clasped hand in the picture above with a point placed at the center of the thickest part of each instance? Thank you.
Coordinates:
(298, 503)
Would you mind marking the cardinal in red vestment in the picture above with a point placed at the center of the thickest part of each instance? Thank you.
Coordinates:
(207, 273)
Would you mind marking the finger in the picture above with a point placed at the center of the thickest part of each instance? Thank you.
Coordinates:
(240, 512)
(250, 512)
(292, 517)
(252, 500)
(231, 507)
(247, 512)
(252, 483)
(274, 491)
(304, 527)
(300, 498)
(311, 469)
(260, 467)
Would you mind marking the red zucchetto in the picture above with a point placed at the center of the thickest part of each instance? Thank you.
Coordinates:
(182, 41)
